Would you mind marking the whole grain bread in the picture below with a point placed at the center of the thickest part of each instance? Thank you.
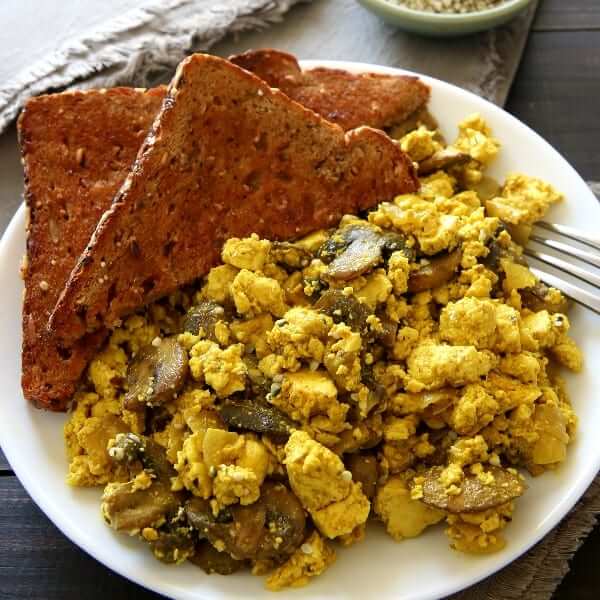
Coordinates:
(350, 100)
(77, 148)
(227, 156)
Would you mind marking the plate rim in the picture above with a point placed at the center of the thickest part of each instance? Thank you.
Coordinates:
(75, 534)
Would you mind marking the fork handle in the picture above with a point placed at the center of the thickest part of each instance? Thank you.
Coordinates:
(574, 234)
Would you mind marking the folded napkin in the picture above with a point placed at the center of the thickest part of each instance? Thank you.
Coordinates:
(123, 41)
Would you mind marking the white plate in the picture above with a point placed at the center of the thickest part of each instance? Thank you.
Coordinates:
(422, 568)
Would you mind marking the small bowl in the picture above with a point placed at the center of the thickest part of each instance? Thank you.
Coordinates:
(444, 24)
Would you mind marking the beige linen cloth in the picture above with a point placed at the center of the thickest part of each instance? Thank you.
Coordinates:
(149, 37)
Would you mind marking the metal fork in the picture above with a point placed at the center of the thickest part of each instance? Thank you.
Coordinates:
(584, 266)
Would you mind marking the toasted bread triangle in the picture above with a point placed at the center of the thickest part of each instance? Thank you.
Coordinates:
(345, 98)
(77, 148)
(227, 156)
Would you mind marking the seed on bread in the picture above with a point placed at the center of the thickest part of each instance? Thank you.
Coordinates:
(309, 174)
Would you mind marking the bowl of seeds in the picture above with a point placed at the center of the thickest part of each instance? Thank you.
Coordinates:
(446, 17)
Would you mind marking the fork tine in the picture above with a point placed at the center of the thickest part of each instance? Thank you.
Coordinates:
(574, 292)
(587, 257)
(578, 236)
(563, 265)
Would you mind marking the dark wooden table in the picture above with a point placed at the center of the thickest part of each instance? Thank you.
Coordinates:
(557, 93)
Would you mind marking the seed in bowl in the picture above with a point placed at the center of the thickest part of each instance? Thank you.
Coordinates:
(450, 6)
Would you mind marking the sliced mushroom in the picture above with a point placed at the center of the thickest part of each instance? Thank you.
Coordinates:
(357, 248)
(130, 447)
(387, 337)
(259, 384)
(396, 242)
(205, 315)
(127, 508)
(271, 528)
(156, 374)
(475, 496)
(443, 159)
(344, 308)
(290, 255)
(173, 545)
(364, 471)
(255, 416)
(210, 560)
(362, 253)
(499, 251)
(538, 298)
(439, 271)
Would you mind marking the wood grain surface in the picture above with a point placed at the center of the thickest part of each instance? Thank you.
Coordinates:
(568, 15)
(556, 91)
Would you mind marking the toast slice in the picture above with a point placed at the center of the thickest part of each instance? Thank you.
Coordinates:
(77, 148)
(227, 156)
(350, 100)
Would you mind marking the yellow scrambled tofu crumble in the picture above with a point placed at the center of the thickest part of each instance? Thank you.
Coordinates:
(401, 367)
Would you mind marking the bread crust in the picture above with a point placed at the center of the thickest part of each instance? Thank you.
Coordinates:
(350, 100)
(77, 148)
(227, 156)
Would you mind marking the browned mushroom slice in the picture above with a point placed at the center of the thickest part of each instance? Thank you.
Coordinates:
(344, 309)
(443, 159)
(396, 242)
(127, 508)
(254, 416)
(439, 271)
(539, 297)
(387, 336)
(475, 496)
(156, 374)
(498, 251)
(173, 545)
(357, 248)
(210, 560)
(362, 253)
(290, 255)
(271, 528)
(364, 471)
(205, 316)
(130, 447)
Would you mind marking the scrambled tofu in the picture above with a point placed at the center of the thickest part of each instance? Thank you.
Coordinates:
(475, 139)
(223, 370)
(306, 393)
(405, 361)
(300, 335)
(254, 294)
(317, 476)
(420, 144)
(250, 253)
(524, 200)
(222, 464)
(218, 283)
(432, 366)
(310, 560)
(481, 323)
(403, 516)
